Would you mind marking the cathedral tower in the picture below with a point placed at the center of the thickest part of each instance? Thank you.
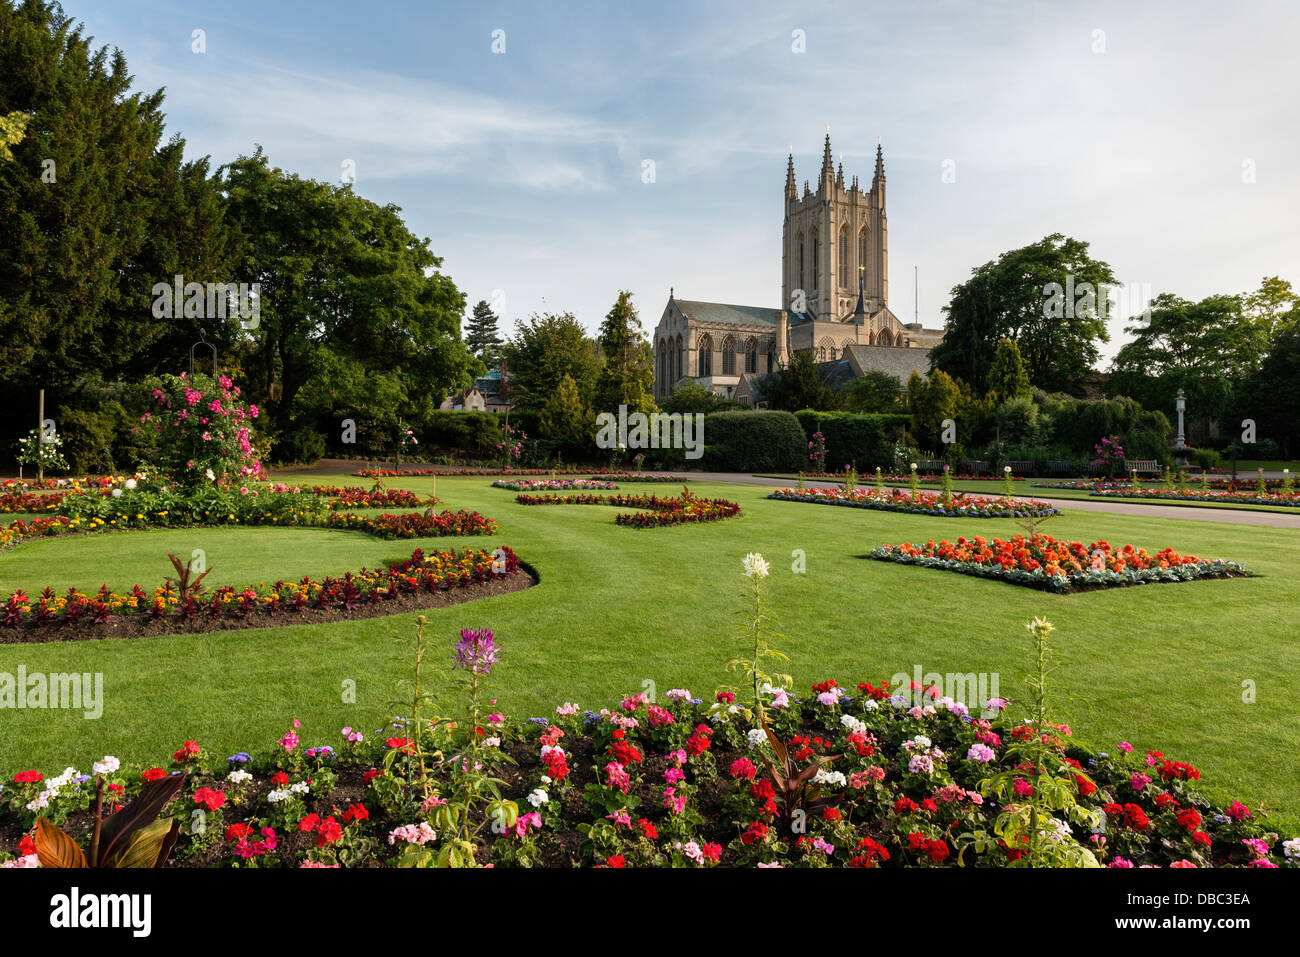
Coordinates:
(828, 234)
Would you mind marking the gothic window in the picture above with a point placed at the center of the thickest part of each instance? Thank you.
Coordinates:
(771, 357)
(679, 367)
(661, 372)
(845, 268)
(729, 356)
(751, 355)
(826, 351)
(816, 258)
(802, 284)
(705, 359)
(862, 249)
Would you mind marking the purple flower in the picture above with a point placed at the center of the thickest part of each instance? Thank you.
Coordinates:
(476, 651)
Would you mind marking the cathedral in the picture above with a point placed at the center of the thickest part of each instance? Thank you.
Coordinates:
(835, 301)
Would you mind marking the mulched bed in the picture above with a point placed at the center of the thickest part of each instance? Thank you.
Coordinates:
(138, 626)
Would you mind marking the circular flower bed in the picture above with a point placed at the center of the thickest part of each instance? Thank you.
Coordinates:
(603, 474)
(920, 503)
(1041, 561)
(886, 780)
(552, 485)
(684, 509)
(1285, 499)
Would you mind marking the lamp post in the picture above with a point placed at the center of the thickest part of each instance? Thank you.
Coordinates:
(1181, 449)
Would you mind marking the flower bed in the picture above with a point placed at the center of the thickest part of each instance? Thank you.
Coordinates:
(605, 474)
(1285, 499)
(902, 478)
(923, 503)
(397, 588)
(341, 497)
(684, 509)
(683, 783)
(551, 485)
(1042, 561)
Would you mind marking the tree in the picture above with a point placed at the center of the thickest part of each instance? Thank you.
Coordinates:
(1049, 297)
(1007, 377)
(1275, 305)
(628, 376)
(12, 129)
(96, 209)
(693, 397)
(1203, 348)
(873, 391)
(351, 304)
(564, 418)
(939, 399)
(481, 336)
(800, 386)
(1271, 394)
(543, 351)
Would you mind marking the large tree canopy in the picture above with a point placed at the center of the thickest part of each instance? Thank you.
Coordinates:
(1049, 297)
(96, 209)
(543, 351)
(628, 376)
(350, 302)
(1203, 348)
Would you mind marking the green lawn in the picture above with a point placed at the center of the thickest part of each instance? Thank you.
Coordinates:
(1161, 666)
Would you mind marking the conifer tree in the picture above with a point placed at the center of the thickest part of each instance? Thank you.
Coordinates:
(481, 335)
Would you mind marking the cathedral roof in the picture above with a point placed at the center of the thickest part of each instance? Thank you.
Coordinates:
(727, 313)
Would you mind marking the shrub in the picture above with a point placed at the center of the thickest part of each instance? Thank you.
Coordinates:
(754, 442)
(857, 439)
(467, 433)
(301, 446)
(201, 430)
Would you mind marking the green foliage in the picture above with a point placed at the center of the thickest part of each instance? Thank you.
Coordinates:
(1271, 396)
(301, 446)
(470, 434)
(36, 448)
(564, 419)
(12, 129)
(1203, 348)
(692, 397)
(1007, 377)
(873, 392)
(202, 430)
(1080, 424)
(863, 441)
(799, 386)
(481, 335)
(628, 374)
(543, 351)
(83, 240)
(1021, 422)
(1012, 298)
(931, 402)
(760, 441)
(351, 304)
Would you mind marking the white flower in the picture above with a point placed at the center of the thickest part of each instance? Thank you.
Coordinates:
(755, 567)
(210, 475)
(830, 777)
(130, 484)
(117, 493)
(546, 779)
(42, 801)
(493, 742)
(756, 737)
(922, 742)
(1007, 469)
(538, 797)
(913, 466)
(853, 724)
(58, 782)
(107, 766)
(239, 777)
(869, 705)
(278, 795)
(1292, 848)
(301, 787)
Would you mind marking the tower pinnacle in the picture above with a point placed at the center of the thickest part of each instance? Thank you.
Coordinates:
(791, 191)
(827, 163)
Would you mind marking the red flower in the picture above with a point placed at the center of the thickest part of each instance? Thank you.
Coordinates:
(398, 743)
(26, 845)
(29, 777)
(279, 779)
(754, 833)
(356, 812)
(328, 832)
(647, 828)
(209, 798)
(154, 774)
(309, 823)
(1200, 837)
(371, 775)
(831, 814)
(236, 831)
(187, 751)
(726, 697)
(712, 851)
(1189, 819)
(616, 861)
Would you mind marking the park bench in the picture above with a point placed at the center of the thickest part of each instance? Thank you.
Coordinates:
(1059, 467)
(1142, 466)
(975, 467)
(930, 465)
(1021, 467)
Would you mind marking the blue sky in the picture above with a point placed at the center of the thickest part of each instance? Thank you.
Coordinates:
(524, 168)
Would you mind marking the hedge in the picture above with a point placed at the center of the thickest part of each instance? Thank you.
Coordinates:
(756, 441)
(862, 440)
(472, 433)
